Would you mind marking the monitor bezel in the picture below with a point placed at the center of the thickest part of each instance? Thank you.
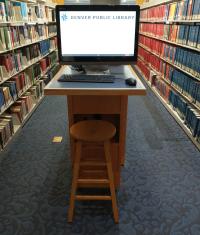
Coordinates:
(97, 59)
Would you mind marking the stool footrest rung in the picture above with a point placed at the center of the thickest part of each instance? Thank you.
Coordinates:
(93, 181)
(92, 163)
(93, 197)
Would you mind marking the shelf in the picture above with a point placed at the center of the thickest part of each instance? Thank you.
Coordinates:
(170, 42)
(37, 60)
(171, 111)
(155, 71)
(27, 44)
(186, 21)
(50, 5)
(44, 2)
(25, 90)
(28, 115)
(22, 23)
(167, 61)
(170, 84)
(156, 3)
(170, 21)
(153, 21)
(17, 128)
(27, 1)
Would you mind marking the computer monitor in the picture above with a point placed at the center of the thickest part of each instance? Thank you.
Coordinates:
(90, 34)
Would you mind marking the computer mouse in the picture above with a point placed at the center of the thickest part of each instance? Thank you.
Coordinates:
(131, 81)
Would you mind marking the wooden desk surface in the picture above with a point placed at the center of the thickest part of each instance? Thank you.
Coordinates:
(78, 88)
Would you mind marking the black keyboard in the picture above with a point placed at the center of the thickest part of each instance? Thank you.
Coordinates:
(87, 78)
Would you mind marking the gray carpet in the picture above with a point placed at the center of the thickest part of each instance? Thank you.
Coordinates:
(160, 188)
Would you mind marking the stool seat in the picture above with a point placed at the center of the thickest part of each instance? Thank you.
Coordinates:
(93, 130)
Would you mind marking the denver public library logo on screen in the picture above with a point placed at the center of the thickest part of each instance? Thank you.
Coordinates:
(64, 17)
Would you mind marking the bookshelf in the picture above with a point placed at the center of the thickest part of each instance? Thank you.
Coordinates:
(169, 58)
(172, 112)
(28, 60)
(169, 83)
(171, 21)
(170, 42)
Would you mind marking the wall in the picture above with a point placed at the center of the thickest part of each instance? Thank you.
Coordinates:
(104, 2)
(154, 2)
(99, 1)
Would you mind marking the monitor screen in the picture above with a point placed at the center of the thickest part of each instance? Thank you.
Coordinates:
(97, 33)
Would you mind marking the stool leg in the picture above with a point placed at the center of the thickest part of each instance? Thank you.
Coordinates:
(76, 167)
(111, 180)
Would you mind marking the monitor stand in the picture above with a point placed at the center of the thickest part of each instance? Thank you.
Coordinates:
(96, 69)
(90, 69)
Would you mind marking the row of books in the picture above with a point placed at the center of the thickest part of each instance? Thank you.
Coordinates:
(12, 89)
(51, 73)
(17, 11)
(153, 79)
(156, 30)
(185, 59)
(185, 85)
(166, 70)
(182, 82)
(16, 114)
(48, 61)
(181, 10)
(183, 34)
(47, 45)
(41, 12)
(189, 35)
(192, 121)
(51, 29)
(188, 114)
(150, 58)
(152, 44)
(161, 87)
(6, 129)
(21, 11)
(143, 67)
(12, 63)
(14, 36)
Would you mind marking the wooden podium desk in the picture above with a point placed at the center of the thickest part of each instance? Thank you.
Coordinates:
(107, 101)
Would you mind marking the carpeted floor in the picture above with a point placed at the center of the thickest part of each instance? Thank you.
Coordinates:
(160, 188)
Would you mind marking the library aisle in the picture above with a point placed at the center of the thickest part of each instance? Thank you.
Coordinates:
(159, 192)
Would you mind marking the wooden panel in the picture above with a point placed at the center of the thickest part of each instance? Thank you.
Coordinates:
(96, 104)
(122, 129)
(103, 92)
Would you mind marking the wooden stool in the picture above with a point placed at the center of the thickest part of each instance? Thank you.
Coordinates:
(92, 131)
